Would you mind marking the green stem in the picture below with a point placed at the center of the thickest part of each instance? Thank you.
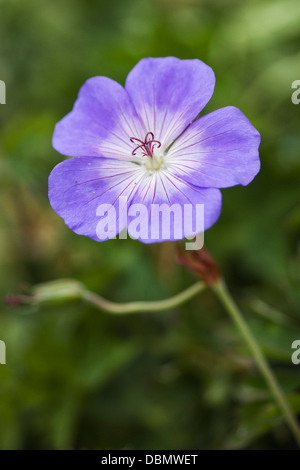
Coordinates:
(135, 307)
(229, 304)
(70, 289)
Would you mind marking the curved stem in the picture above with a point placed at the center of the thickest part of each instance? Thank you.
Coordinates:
(229, 304)
(135, 307)
(69, 289)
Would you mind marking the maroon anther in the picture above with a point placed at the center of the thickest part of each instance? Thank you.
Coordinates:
(147, 145)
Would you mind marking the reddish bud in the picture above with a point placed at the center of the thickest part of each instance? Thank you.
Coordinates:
(200, 263)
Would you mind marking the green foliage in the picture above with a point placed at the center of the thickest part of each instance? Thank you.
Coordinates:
(76, 378)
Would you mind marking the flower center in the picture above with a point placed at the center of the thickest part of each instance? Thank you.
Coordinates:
(147, 148)
(147, 145)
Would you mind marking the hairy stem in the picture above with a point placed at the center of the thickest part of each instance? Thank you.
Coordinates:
(229, 304)
(135, 307)
(64, 290)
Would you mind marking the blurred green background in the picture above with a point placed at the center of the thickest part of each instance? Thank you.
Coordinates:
(182, 379)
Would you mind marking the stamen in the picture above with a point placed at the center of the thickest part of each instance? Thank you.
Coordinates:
(147, 145)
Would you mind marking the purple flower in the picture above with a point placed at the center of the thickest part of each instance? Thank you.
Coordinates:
(142, 146)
